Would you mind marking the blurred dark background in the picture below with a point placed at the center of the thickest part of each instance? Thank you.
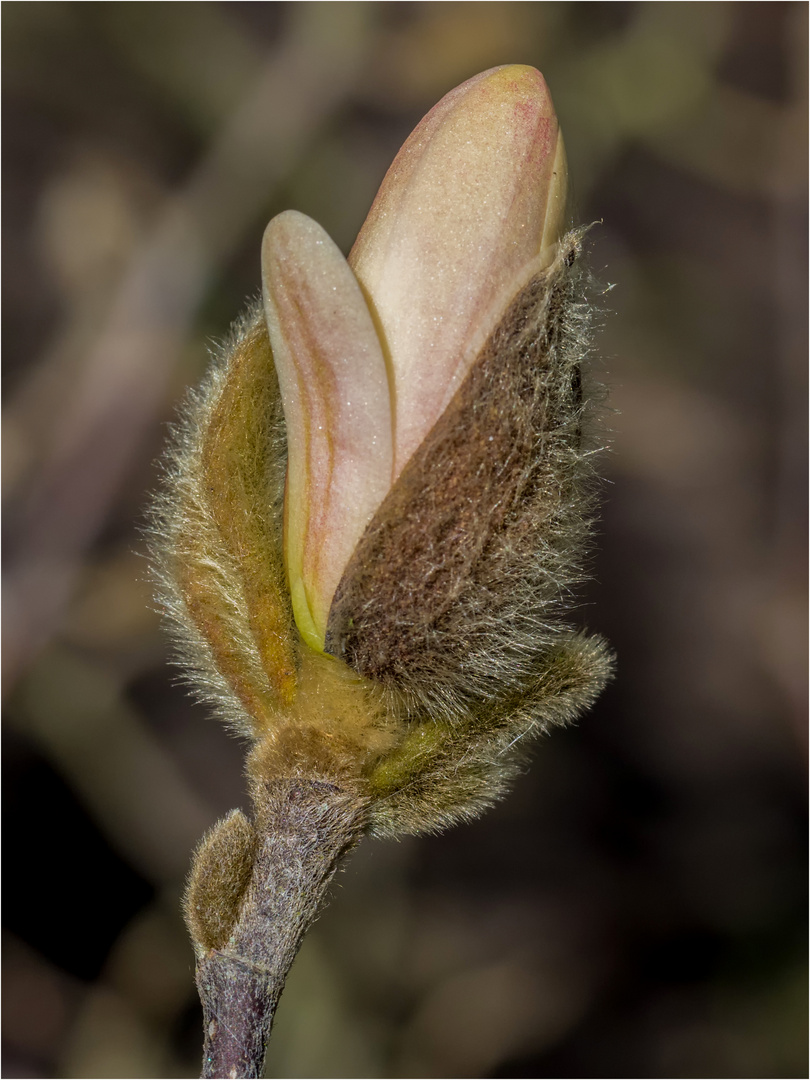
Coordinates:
(636, 908)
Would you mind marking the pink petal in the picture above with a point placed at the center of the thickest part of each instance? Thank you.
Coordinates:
(337, 408)
(472, 206)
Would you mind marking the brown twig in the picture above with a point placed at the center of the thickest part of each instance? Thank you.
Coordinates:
(304, 828)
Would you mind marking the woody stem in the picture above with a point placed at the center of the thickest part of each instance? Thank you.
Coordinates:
(305, 827)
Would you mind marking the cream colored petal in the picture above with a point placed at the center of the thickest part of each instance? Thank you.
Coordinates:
(473, 204)
(337, 408)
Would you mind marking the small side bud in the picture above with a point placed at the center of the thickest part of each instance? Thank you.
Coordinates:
(219, 877)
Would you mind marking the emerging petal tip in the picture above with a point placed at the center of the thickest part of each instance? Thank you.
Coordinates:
(337, 409)
(473, 205)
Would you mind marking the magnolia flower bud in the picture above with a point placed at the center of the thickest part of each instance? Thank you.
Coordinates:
(380, 504)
